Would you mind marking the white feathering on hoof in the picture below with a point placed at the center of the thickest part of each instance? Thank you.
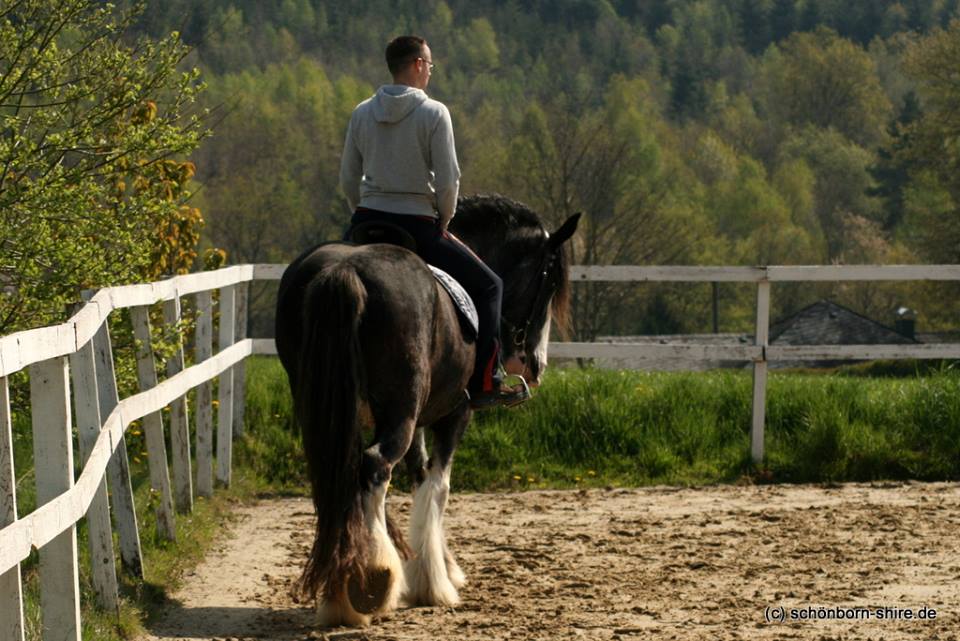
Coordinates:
(432, 572)
(457, 578)
(383, 557)
(340, 612)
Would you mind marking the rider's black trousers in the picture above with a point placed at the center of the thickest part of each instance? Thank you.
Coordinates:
(443, 250)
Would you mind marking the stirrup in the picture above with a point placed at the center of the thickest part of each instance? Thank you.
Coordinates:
(525, 392)
(502, 398)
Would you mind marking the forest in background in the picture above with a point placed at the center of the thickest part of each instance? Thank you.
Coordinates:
(723, 132)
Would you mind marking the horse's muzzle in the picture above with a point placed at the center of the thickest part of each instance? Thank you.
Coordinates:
(517, 365)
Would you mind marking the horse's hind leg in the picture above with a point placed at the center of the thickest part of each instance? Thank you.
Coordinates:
(383, 583)
(433, 576)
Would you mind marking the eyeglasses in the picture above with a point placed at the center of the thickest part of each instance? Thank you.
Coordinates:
(430, 63)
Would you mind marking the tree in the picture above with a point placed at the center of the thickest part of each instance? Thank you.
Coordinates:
(270, 176)
(948, 11)
(608, 163)
(843, 182)
(689, 98)
(91, 128)
(298, 17)
(653, 13)
(829, 82)
(891, 171)
(229, 45)
(476, 49)
(811, 16)
(931, 147)
(935, 137)
(757, 219)
(755, 24)
(895, 19)
(868, 22)
(692, 53)
(868, 244)
(921, 14)
(783, 19)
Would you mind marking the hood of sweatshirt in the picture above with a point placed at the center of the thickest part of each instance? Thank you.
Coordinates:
(393, 103)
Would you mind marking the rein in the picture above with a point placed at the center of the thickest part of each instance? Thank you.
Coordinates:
(520, 337)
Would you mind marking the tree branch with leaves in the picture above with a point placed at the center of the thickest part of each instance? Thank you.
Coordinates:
(93, 127)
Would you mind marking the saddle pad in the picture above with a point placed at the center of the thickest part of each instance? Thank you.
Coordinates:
(461, 299)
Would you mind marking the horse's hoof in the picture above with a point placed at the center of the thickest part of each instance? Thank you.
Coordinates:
(374, 594)
(339, 612)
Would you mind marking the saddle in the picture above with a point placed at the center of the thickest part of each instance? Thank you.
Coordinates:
(373, 232)
(382, 232)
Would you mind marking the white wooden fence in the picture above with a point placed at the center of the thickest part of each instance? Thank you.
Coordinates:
(761, 352)
(79, 352)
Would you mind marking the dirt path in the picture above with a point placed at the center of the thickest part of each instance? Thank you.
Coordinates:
(659, 563)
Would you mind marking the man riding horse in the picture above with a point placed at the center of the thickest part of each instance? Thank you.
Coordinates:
(399, 167)
(373, 342)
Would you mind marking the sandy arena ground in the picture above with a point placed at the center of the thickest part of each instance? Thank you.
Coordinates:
(658, 563)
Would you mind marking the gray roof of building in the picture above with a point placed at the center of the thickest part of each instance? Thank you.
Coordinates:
(826, 323)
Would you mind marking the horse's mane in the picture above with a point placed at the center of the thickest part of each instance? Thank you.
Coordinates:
(484, 211)
(501, 217)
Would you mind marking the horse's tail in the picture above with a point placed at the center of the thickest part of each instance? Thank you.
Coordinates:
(331, 381)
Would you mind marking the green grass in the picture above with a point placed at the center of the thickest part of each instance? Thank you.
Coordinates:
(594, 427)
(691, 428)
(270, 450)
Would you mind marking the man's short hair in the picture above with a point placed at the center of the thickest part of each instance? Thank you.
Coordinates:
(402, 50)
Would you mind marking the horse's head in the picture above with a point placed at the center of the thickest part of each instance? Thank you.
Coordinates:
(533, 264)
(536, 295)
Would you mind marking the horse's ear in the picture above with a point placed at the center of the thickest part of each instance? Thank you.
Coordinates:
(566, 230)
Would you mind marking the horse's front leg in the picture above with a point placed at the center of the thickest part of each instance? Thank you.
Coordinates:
(415, 460)
(433, 576)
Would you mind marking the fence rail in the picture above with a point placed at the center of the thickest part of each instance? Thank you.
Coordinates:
(76, 357)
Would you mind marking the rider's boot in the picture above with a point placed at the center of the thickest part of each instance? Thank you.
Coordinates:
(496, 392)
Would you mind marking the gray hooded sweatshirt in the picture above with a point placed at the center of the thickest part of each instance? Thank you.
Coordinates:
(399, 155)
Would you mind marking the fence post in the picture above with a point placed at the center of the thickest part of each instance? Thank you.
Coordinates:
(715, 305)
(204, 413)
(179, 421)
(240, 369)
(118, 470)
(53, 465)
(86, 405)
(228, 314)
(760, 371)
(11, 591)
(153, 425)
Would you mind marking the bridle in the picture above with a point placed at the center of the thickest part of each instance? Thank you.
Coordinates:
(543, 291)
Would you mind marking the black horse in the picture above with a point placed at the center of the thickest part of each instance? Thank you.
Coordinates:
(370, 340)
